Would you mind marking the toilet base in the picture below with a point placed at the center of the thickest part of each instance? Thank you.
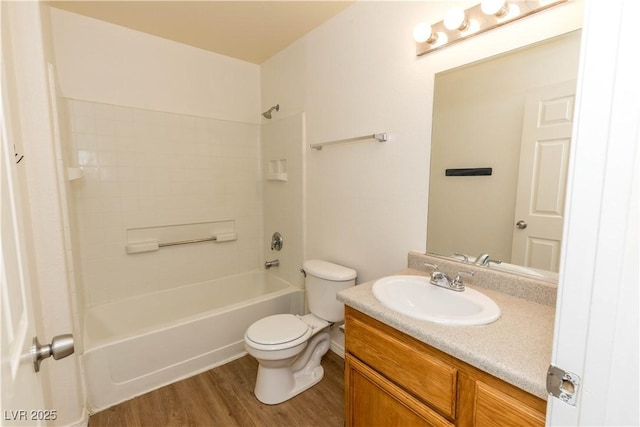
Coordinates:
(278, 384)
(266, 393)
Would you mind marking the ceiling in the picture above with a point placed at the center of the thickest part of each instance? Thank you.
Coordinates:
(252, 31)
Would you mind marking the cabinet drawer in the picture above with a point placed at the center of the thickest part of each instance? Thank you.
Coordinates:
(423, 376)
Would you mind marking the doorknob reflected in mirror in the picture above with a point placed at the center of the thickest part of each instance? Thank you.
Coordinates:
(521, 225)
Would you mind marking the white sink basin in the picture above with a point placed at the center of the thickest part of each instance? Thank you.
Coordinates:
(414, 296)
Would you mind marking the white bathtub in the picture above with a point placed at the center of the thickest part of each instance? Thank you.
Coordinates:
(145, 342)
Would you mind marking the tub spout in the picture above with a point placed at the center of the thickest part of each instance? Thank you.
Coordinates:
(270, 264)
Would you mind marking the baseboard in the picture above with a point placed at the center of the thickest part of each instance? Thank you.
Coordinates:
(83, 421)
(337, 349)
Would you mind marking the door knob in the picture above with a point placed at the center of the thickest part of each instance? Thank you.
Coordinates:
(61, 346)
(521, 225)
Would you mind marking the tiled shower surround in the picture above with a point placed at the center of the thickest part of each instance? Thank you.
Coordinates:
(146, 168)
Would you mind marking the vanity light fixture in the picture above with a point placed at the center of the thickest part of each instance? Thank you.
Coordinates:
(498, 8)
(459, 24)
(423, 33)
(456, 20)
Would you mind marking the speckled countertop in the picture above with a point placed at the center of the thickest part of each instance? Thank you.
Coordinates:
(516, 348)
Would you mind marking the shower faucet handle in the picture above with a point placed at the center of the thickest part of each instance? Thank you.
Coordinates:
(276, 241)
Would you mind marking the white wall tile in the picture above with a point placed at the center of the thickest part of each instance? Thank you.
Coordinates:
(146, 168)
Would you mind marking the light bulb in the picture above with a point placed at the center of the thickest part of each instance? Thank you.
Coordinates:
(423, 33)
(455, 19)
(494, 7)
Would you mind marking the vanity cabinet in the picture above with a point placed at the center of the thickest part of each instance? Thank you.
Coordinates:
(392, 379)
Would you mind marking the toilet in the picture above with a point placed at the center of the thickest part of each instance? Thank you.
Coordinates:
(289, 348)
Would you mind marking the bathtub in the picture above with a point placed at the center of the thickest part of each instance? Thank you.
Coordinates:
(145, 342)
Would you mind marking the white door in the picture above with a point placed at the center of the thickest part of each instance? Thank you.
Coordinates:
(544, 159)
(596, 332)
(21, 399)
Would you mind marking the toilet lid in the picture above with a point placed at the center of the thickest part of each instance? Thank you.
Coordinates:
(277, 329)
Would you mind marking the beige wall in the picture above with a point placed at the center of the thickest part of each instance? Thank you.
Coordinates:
(106, 63)
(358, 74)
(166, 134)
(478, 114)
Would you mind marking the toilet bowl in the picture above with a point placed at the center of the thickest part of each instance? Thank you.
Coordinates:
(277, 343)
(289, 348)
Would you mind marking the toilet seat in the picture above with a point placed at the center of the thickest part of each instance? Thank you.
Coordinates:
(278, 332)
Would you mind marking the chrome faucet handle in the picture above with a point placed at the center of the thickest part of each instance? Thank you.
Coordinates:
(495, 261)
(438, 278)
(482, 260)
(465, 258)
(441, 279)
(431, 266)
(457, 283)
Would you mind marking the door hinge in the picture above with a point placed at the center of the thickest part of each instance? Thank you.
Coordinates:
(563, 384)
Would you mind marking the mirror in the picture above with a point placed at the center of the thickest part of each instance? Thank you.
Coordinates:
(499, 155)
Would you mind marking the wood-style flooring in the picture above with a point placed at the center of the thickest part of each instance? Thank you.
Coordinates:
(224, 396)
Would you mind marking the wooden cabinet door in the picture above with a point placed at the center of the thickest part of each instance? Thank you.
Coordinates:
(496, 408)
(403, 361)
(372, 400)
(498, 405)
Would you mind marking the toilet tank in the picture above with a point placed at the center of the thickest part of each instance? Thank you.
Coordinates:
(323, 282)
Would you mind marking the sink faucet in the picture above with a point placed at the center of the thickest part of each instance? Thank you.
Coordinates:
(441, 279)
(465, 258)
(483, 260)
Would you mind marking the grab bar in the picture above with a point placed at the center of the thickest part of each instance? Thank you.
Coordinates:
(186, 242)
(380, 137)
(154, 245)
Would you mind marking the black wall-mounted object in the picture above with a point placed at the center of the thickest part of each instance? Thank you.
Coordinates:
(468, 172)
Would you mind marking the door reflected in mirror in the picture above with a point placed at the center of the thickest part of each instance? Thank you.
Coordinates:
(513, 114)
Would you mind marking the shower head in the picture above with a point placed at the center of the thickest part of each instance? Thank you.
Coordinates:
(267, 114)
